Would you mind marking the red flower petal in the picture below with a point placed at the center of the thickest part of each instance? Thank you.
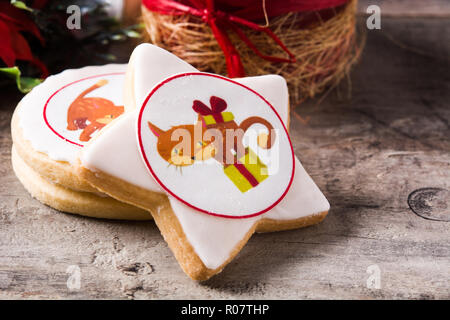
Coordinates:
(21, 47)
(39, 4)
(20, 19)
(6, 51)
(13, 46)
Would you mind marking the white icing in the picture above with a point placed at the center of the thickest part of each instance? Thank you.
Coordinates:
(115, 152)
(303, 199)
(214, 238)
(161, 64)
(171, 105)
(274, 89)
(31, 119)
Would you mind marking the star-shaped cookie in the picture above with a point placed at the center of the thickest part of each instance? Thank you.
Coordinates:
(208, 209)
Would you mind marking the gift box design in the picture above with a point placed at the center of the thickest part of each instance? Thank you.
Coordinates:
(214, 115)
(210, 120)
(240, 164)
(248, 171)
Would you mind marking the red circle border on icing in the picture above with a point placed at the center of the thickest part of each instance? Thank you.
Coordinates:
(63, 87)
(149, 167)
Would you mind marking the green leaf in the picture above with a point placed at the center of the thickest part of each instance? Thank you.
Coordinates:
(138, 26)
(117, 37)
(21, 5)
(132, 34)
(24, 84)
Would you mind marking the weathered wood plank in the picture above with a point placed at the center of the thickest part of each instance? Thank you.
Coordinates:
(367, 154)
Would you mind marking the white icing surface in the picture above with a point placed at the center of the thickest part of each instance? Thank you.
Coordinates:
(303, 199)
(161, 64)
(31, 119)
(214, 238)
(115, 152)
(171, 105)
(274, 88)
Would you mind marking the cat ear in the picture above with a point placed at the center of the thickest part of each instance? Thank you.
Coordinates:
(156, 131)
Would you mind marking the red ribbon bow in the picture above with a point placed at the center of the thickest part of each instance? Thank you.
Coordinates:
(219, 21)
(243, 12)
(217, 106)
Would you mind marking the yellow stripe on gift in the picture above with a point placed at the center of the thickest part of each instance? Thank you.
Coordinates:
(209, 120)
(254, 165)
(227, 116)
(237, 178)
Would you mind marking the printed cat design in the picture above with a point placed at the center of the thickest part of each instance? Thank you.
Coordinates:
(169, 141)
(216, 119)
(91, 113)
(222, 140)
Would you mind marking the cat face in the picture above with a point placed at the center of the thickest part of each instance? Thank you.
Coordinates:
(183, 145)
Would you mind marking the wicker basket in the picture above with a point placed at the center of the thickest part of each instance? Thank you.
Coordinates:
(323, 42)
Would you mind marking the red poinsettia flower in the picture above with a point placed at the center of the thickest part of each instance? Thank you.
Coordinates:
(13, 45)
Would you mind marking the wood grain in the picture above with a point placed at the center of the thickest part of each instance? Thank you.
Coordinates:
(368, 153)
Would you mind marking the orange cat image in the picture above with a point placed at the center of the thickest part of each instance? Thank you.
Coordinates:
(178, 145)
(91, 113)
(216, 144)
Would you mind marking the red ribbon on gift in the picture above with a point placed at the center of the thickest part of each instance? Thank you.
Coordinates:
(217, 106)
(242, 12)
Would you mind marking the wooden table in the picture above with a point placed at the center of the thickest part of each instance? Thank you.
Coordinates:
(370, 153)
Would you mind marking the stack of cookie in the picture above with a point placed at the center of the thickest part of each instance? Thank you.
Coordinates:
(208, 157)
(49, 128)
